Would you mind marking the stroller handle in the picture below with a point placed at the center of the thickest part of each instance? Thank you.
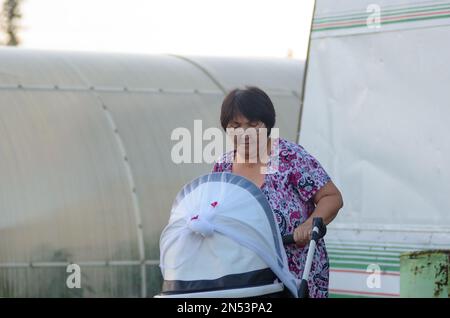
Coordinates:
(288, 239)
(319, 231)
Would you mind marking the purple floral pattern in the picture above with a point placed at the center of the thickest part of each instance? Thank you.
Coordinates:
(290, 192)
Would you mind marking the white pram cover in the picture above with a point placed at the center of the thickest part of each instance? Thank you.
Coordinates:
(222, 234)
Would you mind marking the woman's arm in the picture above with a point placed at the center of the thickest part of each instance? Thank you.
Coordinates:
(328, 202)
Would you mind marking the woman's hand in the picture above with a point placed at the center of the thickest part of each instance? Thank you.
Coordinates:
(328, 201)
(302, 234)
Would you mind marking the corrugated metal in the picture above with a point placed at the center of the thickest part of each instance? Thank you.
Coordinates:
(86, 172)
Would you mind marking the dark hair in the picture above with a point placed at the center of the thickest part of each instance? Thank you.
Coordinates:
(251, 102)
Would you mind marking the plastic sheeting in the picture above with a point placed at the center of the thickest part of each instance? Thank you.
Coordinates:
(86, 172)
(376, 112)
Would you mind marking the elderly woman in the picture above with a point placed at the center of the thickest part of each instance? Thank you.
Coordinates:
(297, 191)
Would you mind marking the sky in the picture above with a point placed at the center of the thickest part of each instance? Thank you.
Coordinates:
(252, 28)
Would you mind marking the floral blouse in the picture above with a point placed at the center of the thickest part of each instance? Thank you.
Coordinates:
(289, 191)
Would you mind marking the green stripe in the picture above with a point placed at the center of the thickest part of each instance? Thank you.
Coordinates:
(391, 245)
(389, 13)
(364, 253)
(381, 16)
(351, 266)
(382, 23)
(371, 249)
(332, 295)
(369, 261)
(361, 254)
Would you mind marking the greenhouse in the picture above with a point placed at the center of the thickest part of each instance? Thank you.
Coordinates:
(86, 172)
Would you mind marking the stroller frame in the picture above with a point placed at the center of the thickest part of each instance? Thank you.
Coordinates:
(318, 231)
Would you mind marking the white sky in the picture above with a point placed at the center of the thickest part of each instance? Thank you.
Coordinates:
(192, 27)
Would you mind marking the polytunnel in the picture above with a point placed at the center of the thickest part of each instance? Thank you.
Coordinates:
(85, 159)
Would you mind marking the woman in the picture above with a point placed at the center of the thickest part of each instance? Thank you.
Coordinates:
(297, 191)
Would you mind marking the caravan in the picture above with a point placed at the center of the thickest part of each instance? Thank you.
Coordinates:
(376, 111)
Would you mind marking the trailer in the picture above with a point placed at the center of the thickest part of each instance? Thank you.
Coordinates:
(376, 112)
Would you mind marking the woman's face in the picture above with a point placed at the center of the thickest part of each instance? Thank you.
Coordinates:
(246, 135)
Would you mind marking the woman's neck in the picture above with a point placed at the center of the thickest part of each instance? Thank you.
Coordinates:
(245, 160)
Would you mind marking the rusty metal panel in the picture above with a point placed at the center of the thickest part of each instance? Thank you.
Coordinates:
(425, 274)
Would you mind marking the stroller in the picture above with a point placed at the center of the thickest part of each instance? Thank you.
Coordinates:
(222, 240)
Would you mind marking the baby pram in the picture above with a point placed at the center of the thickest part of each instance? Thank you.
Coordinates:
(222, 240)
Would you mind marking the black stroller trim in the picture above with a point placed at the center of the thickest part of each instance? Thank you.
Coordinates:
(248, 279)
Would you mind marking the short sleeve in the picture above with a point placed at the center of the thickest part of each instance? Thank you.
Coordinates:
(307, 174)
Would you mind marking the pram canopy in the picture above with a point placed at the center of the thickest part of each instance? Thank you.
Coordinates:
(222, 235)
